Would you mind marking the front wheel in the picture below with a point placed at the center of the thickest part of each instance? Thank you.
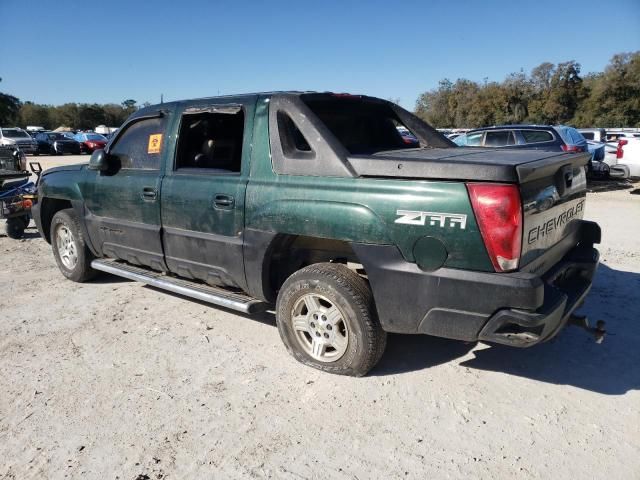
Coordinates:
(69, 248)
(327, 320)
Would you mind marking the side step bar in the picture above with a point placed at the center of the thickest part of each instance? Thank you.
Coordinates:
(199, 291)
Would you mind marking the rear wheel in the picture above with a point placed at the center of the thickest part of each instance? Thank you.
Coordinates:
(15, 228)
(69, 248)
(327, 320)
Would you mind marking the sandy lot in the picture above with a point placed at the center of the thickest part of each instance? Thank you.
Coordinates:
(112, 379)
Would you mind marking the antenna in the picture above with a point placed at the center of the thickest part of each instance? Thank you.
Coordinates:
(161, 98)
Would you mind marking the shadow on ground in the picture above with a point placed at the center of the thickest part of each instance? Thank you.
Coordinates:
(573, 358)
(610, 185)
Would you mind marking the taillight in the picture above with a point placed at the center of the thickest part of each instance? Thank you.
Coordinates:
(572, 148)
(499, 215)
(620, 150)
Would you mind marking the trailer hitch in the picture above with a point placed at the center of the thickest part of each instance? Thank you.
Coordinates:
(582, 321)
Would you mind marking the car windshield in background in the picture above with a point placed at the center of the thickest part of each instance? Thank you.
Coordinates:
(362, 127)
(13, 133)
(95, 137)
(58, 136)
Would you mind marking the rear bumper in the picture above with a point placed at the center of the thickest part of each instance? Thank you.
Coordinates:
(518, 309)
(565, 288)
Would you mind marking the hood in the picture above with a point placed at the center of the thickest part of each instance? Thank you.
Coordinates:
(65, 168)
(462, 163)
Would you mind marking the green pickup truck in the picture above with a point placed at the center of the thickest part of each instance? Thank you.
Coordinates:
(315, 203)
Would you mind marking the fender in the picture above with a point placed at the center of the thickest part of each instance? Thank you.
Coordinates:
(317, 218)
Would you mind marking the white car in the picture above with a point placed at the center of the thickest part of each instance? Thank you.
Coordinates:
(18, 138)
(621, 152)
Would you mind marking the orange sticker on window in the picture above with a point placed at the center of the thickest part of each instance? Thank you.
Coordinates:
(155, 142)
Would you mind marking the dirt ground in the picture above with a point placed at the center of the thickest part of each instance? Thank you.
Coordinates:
(111, 379)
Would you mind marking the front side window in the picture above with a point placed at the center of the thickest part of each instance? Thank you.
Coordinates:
(140, 145)
(211, 141)
(474, 139)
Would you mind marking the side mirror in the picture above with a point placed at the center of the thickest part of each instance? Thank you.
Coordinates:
(99, 161)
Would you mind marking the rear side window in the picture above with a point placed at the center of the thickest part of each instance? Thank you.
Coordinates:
(536, 136)
(499, 138)
(140, 144)
(588, 135)
(211, 141)
(291, 138)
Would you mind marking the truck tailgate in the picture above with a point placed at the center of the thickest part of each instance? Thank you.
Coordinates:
(553, 196)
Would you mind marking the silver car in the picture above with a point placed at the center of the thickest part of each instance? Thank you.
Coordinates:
(17, 137)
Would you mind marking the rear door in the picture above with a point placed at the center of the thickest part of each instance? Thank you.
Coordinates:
(499, 138)
(203, 193)
(122, 205)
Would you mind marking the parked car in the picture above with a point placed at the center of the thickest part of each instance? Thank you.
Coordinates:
(56, 143)
(610, 153)
(90, 142)
(19, 138)
(408, 137)
(628, 153)
(313, 202)
(539, 137)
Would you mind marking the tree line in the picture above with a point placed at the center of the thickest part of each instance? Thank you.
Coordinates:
(79, 116)
(550, 94)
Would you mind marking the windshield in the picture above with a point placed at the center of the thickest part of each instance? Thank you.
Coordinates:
(363, 127)
(14, 133)
(57, 136)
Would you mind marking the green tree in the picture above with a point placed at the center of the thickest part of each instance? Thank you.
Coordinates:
(38, 115)
(9, 109)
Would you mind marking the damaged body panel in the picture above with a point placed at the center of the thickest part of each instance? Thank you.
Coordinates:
(240, 193)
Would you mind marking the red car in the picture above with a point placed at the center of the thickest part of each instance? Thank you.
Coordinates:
(90, 141)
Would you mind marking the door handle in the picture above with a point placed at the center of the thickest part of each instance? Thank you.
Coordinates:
(223, 201)
(149, 193)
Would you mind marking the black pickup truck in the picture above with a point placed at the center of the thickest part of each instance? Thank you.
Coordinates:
(313, 202)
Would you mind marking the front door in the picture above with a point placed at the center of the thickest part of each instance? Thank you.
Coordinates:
(122, 205)
(203, 194)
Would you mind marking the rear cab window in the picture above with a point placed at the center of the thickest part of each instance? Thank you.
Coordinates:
(363, 127)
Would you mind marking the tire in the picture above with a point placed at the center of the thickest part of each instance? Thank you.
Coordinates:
(333, 305)
(26, 220)
(69, 247)
(15, 228)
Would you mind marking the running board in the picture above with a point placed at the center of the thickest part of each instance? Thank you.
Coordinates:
(199, 291)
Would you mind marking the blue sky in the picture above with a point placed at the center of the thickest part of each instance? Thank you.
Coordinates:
(62, 51)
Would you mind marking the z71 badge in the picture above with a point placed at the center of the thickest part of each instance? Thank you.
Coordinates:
(411, 217)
